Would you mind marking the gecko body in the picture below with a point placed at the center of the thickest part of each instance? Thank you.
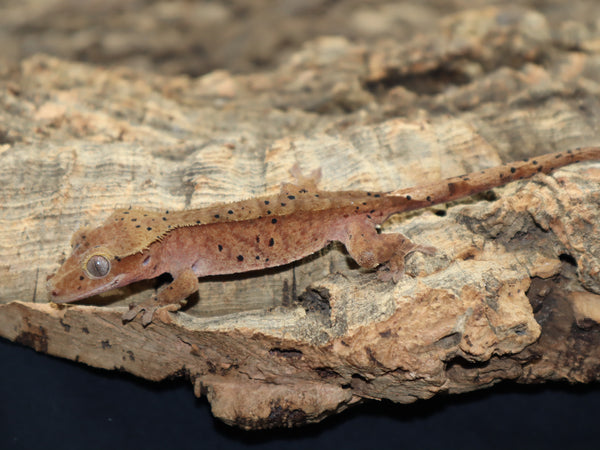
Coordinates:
(262, 232)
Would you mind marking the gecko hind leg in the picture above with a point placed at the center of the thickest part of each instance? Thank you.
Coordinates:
(370, 249)
(169, 298)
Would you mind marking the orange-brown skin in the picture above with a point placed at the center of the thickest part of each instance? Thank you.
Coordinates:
(262, 232)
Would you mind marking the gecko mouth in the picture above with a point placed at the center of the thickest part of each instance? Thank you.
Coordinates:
(57, 296)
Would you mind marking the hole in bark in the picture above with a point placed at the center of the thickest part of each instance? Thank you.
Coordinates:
(451, 340)
(286, 353)
(461, 363)
(489, 196)
(315, 300)
(326, 372)
(359, 377)
(425, 82)
(568, 259)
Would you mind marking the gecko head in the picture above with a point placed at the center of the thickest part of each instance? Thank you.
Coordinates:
(85, 274)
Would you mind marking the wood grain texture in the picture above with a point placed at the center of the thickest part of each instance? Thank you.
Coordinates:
(511, 294)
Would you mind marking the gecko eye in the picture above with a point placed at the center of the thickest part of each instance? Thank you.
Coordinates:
(97, 266)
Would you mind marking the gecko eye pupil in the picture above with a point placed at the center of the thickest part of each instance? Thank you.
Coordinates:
(98, 266)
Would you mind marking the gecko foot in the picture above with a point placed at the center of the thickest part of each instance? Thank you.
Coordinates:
(147, 309)
(171, 297)
(393, 270)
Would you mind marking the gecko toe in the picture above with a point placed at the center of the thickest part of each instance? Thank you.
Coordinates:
(146, 310)
(131, 314)
(147, 316)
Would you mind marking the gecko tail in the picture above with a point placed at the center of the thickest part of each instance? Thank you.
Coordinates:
(469, 184)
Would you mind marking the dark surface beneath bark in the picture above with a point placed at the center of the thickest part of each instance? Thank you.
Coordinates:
(78, 407)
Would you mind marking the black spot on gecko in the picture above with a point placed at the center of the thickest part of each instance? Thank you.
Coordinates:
(149, 228)
(369, 194)
(267, 202)
(501, 175)
(525, 159)
(230, 212)
(364, 203)
(268, 211)
(513, 170)
(283, 204)
(428, 198)
(558, 156)
(125, 212)
(81, 277)
(303, 191)
(220, 247)
(571, 151)
(291, 197)
(452, 188)
(257, 257)
(138, 226)
(317, 195)
(273, 220)
(408, 197)
(539, 169)
(164, 219)
(217, 216)
(198, 222)
(534, 162)
(240, 258)
(167, 211)
(134, 220)
(377, 195)
(257, 239)
(117, 259)
(271, 242)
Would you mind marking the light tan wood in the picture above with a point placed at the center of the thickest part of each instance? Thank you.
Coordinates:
(510, 294)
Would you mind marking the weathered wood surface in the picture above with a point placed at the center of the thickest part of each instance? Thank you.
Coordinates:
(511, 293)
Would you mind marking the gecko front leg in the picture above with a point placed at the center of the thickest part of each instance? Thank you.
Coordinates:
(170, 298)
(370, 249)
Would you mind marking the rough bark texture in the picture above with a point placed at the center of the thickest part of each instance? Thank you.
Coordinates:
(512, 292)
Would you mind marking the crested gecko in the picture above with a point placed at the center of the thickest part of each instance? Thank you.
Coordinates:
(262, 232)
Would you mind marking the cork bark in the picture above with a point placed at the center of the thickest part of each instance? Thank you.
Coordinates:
(511, 293)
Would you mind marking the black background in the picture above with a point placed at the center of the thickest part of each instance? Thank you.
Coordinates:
(47, 402)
